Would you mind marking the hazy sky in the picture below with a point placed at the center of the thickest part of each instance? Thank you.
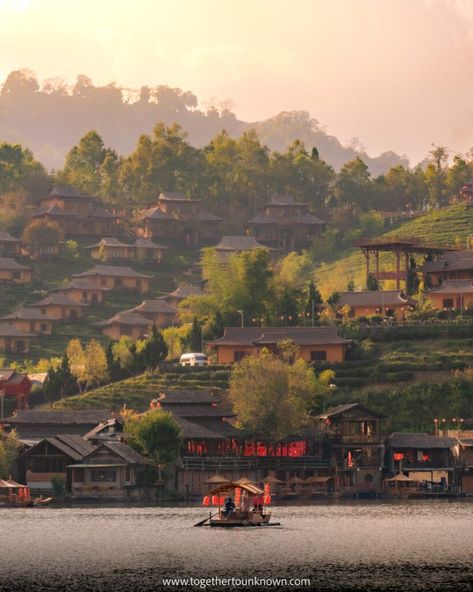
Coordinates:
(396, 73)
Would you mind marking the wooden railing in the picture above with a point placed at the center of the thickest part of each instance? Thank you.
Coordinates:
(214, 463)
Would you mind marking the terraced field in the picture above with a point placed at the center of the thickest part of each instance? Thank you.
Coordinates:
(450, 226)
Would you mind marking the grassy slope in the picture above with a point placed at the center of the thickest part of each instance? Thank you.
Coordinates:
(181, 267)
(450, 226)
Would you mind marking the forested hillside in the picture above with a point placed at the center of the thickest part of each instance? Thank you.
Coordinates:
(50, 119)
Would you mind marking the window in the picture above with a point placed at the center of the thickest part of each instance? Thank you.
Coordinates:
(43, 328)
(73, 315)
(16, 275)
(127, 474)
(117, 282)
(448, 302)
(103, 281)
(20, 346)
(238, 355)
(138, 284)
(100, 476)
(318, 356)
(79, 475)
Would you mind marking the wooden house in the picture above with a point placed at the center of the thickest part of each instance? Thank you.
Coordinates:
(77, 214)
(465, 464)
(388, 303)
(106, 431)
(158, 311)
(181, 293)
(452, 295)
(30, 319)
(47, 460)
(60, 307)
(177, 220)
(111, 471)
(424, 457)
(13, 340)
(126, 323)
(316, 344)
(33, 424)
(355, 446)
(84, 291)
(230, 245)
(116, 278)
(9, 245)
(285, 224)
(15, 384)
(452, 265)
(13, 272)
(142, 250)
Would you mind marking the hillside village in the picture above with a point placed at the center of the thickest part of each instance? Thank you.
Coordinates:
(99, 301)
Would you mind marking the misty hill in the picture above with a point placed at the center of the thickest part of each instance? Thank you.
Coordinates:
(52, 118)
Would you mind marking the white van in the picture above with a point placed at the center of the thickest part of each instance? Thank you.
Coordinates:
(194, 359)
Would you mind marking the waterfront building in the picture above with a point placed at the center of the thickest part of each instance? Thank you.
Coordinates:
(13, 272)
(178, 220)
(354, 442)
(115, 277)
(388, 303)
(285, 224)
(111, 471)
(424, 457)
(77, 214)
(47, 460)
(316, 344)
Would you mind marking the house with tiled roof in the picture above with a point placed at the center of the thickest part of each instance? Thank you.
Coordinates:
(111, 471)
(113, 250)
(60, 307)
(13, 340)
(77, 214)
(30, 319)
(13, 272)
(157, 311)
(390, 303)
(451, 295)
(126, 323)
(84, 291)
(116, 277)
(34, 424)
(316, 344)
(451, 265)
(175, 219)
(284, 223)
(183, 292)
(9, 245)
(15, 384)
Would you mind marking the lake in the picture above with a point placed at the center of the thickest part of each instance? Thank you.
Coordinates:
(349, 546)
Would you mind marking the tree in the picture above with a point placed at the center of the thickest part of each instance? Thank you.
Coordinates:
(372, 283)
(155, 434)
(314, 300)
(59, 381)
(88, 366)
(436, 176)
(41, 233)
(353, 187)
(154, 349)
(270, 396)
(195, 336)
(9, 450)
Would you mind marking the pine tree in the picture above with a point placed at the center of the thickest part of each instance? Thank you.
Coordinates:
(154, 350)
(195, 336)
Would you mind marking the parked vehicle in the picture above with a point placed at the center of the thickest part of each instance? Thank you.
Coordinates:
(194, 359)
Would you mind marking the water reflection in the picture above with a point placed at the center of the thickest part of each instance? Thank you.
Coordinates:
(405, 546)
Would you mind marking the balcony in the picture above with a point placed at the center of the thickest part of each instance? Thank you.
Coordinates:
(354, 438)
(432, 465)
(228, 463)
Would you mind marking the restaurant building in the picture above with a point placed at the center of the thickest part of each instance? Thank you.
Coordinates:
(452, 295)
(316, 344)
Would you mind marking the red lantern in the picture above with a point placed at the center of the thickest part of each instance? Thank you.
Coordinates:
(398, 456)
(267, 500)
(267, 488)
(206, 501)
(215, 500)
(237, 496)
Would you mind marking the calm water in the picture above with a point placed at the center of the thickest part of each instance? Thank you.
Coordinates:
(408, 546)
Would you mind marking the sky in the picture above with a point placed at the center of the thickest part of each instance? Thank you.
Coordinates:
(397, 74)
